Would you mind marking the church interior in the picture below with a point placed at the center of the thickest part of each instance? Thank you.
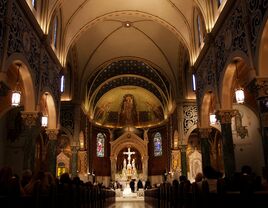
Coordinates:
(112, 92)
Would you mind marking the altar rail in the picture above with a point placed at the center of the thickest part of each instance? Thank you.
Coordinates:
(166, 196)
(67, 195)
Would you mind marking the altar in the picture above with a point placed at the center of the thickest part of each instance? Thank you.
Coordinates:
(128, 176)
(129, 160)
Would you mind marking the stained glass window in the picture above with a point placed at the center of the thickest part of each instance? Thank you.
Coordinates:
(157, 144)
(193, 82)
(100, 144)
(62, 84)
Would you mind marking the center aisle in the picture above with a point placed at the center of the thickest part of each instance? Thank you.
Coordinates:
(130, 204)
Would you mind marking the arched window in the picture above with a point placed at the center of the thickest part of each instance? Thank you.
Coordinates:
(199, 29)
(62, 83)
(54, 35)
(193, 82)
(100, 144)
(157, 144)
(34, 4)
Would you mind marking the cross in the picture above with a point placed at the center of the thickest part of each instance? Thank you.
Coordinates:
(129, 155)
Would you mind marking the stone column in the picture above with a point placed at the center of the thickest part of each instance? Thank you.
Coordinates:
(205, 147)
(32, 123)
(113, 167)
(262, 97)
(183, 160)
(225, 116)
(51, 150)
(82, 158)
(175, 163)
(74, 160)
(145, 167)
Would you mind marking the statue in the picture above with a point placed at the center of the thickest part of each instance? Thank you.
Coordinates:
(125, 164)
(133, 164)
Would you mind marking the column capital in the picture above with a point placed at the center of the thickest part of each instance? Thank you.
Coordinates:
(264, 119)
(225, 116)
(30, 118)
(75, 149)
(52, 133)
(183, 148)
(261, 87)
(204, 132)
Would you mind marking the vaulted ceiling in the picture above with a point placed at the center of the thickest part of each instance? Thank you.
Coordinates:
(146, 34)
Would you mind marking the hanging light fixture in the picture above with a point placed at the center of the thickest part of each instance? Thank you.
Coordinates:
(239, 91)
(44, 118)
(16, 94)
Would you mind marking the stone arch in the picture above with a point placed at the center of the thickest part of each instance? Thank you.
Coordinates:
(50, 107)
(26, 76)
(189, 133)
(262, 51)
(208, 106)
(67, 132)
(227, 79)
(129, 139)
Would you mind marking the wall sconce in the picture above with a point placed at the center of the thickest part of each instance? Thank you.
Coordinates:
(239, 91)
(16, 94)
(44, 118)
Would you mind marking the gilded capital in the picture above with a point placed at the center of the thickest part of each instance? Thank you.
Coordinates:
(29, 118)
(52, 133)
(264, 119)
(262, 87)
(183, 148)
(225, 116)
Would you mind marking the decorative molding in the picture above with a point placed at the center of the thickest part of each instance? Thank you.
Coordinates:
(261, 87)
(190, 117)
(225, 116)
(52, 133)
(30, 119)
(256, 12)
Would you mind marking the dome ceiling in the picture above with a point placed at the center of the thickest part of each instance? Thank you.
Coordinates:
(133, 93)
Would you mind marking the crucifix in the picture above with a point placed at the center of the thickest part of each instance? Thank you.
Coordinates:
(129, 153)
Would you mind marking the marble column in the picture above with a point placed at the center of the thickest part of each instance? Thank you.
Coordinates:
(32, 124)
(51, 150)
(262, 97)
(74, 160)
(145, 167)
(205, 147)
(183, 159)
(225, 117)
(113, 167)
